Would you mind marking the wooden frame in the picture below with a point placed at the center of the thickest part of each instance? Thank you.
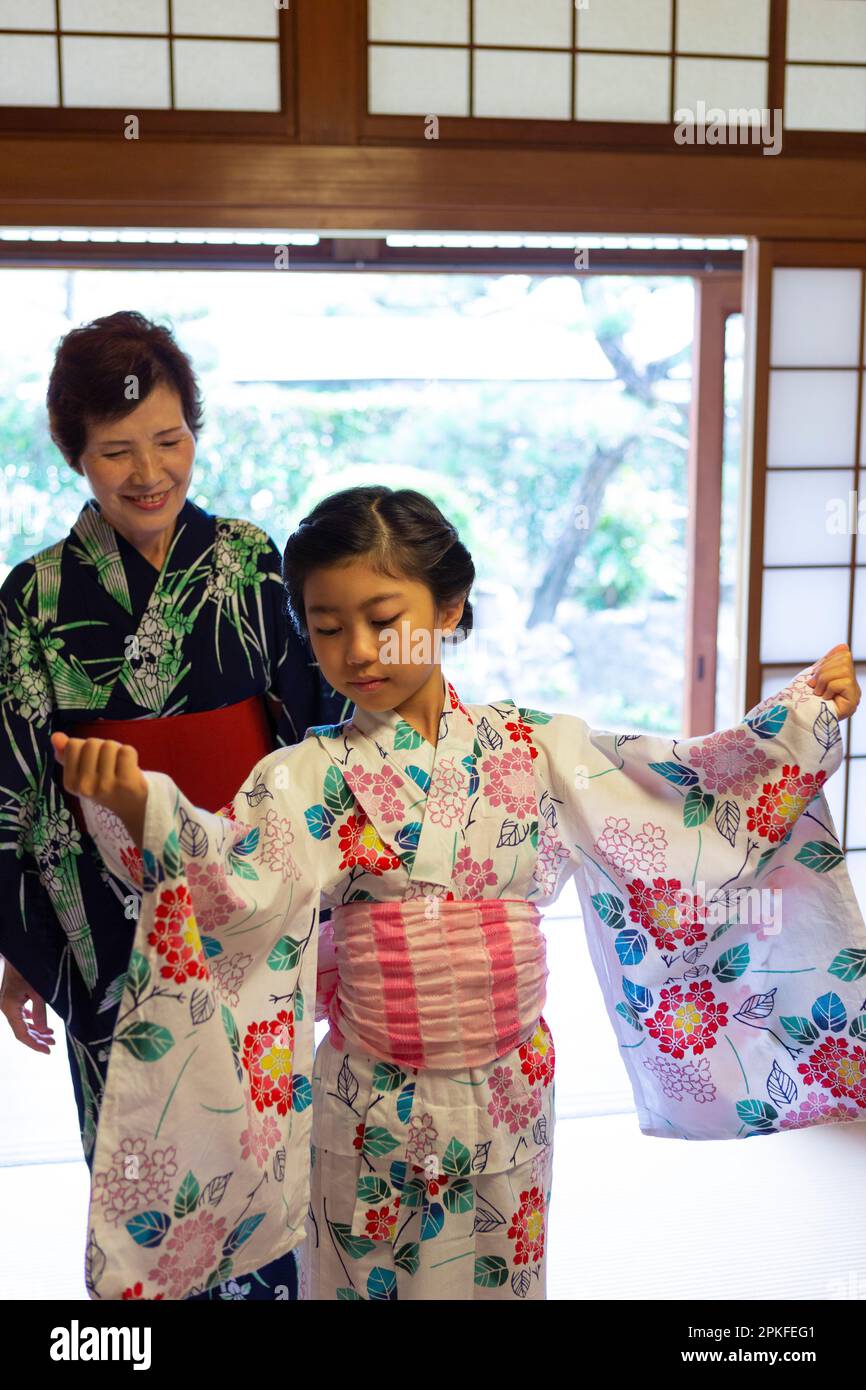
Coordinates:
(162, 123)
(366, 253)
(717, 294)
(324, 164)
(324, 65)
(608, 135)
(761, 261)
(716, 297)
(85, 182)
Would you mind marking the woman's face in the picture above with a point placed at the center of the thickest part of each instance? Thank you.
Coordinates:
(365, 624)
(139, 468)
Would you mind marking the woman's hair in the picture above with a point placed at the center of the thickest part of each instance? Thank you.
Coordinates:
(88, 381)
(398, 531)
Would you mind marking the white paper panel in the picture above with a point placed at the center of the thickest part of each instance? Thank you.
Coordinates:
(131, 74)
(218, 75)
(816, 318)
(812, 419)
(614, 87)
(28, 70)
(825, 98)
(861, 508)
(858, 635)
(36, 14)
(540, 23)
(856, 827)
(806, 517)
(623, 24)
(728, 84)
(527, 85)
(857, 725)
(252, 19)
(418, 81)
(143, 17)
(834, 29)
(834, 791)
(737, 26)
(856, 861)
(801, 613)
(446, 21)
(775, 678)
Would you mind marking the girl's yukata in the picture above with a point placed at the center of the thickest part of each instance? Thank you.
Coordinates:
(430, 1103)
(93, 640)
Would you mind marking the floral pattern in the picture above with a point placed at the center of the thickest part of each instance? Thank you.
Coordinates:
(642, 853)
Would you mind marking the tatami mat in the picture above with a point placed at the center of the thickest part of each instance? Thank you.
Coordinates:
(632, 1218)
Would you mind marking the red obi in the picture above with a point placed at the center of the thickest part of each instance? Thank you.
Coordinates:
(209, 755)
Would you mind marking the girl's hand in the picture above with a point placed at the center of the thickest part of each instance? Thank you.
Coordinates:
(108, 773)
(834, 678)
(29, 1026)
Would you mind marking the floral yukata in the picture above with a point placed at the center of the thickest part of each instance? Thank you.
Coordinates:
(402, 1180)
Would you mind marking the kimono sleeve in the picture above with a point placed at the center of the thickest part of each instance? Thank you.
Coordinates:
(37, 833)
(720, 916)
(203, 1138)
(306, 698)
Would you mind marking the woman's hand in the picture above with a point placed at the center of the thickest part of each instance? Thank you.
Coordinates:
(108, 773)
(834, 678)
(30, 1027)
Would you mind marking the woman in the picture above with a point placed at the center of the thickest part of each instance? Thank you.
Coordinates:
(434, 831)
(152, 621)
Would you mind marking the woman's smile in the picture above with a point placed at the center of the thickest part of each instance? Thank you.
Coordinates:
(148, 501)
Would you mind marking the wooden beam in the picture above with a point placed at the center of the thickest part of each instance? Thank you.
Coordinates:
(189, 183)
(330, 52)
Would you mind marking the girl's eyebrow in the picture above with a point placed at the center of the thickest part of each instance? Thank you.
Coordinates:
(377, 598)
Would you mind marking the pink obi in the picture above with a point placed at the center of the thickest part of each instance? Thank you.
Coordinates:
(432, 983)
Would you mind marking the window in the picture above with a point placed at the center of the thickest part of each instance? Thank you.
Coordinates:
(79, 63)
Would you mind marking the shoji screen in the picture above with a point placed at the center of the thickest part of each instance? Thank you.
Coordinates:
(807, 586)
(619, 60)
(191, 65)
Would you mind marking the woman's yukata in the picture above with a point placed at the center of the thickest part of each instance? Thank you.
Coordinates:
(430, 1103)
(91, 631)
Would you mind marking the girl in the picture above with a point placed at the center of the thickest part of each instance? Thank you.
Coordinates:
(435, 831)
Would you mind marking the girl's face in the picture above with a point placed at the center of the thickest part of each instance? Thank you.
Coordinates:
(365, 625)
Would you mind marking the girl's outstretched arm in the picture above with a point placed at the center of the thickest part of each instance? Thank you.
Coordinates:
(107, 772)
(210, 1082)
(719, 912)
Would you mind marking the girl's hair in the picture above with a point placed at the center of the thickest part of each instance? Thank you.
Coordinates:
(88, 381)
(399, 531)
